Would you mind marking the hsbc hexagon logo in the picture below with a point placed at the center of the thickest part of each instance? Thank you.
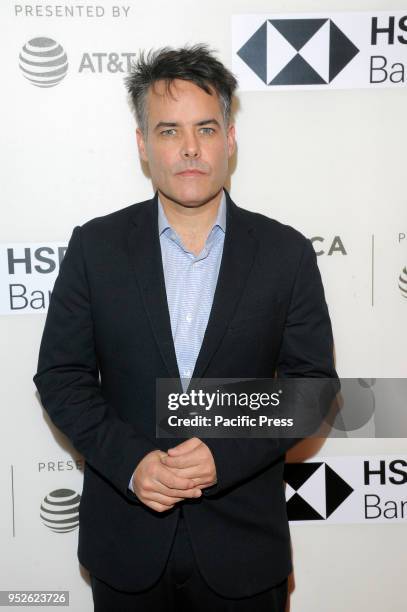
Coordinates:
(298, 51)
(314, 491)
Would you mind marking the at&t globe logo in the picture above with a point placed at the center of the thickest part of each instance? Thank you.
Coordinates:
(43, 62)
(60, 510)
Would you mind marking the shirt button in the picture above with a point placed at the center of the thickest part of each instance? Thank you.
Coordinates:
(188, 318)
(187, 372)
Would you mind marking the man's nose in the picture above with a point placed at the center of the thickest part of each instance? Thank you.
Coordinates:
(190, 146)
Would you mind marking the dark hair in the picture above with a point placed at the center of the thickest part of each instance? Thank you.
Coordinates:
(194, 63)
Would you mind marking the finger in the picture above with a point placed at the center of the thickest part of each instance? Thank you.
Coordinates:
(188, 472)
(162, 498)
(173, 481)
(158, 507)
(204, 482)
(185, 460)
(179, 493)
(184, 447)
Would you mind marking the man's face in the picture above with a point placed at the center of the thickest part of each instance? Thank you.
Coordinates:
(188, 145)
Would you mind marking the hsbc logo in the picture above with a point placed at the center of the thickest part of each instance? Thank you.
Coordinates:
(314, 491)
(347, 489)
(298, 51)
(287, 51)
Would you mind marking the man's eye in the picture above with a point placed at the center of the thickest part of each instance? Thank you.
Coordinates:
(167, 132)
(208, 130)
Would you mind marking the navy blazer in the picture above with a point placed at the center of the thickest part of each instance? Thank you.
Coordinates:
(107, 337)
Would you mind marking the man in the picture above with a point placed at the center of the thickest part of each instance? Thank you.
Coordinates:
(186, 284)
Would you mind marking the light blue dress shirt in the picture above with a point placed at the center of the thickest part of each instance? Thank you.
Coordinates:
(190, 282)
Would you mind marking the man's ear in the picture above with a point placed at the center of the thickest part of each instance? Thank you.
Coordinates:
(141, 145)
(231, 135)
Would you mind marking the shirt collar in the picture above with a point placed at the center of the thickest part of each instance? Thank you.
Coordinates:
(163, 222)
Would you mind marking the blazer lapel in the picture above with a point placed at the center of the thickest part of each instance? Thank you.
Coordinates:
(145, 254)
(239, 249)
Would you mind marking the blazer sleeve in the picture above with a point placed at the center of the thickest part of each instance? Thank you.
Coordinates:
(67, 379)
(306, 351)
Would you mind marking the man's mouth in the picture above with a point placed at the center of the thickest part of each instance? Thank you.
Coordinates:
(191, 173)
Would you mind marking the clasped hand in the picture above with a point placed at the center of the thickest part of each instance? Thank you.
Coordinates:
(162, 479)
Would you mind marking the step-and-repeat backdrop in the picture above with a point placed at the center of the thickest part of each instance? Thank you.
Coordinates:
(321, 129)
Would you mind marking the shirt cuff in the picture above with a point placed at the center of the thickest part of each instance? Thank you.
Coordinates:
(131, 484)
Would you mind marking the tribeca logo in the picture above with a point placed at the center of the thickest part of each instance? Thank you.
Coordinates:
(314, 491)
(43, 62)
(329, 246)
(298, 51)
(60, 510)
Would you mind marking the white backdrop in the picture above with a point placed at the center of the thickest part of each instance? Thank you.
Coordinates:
(331, 163)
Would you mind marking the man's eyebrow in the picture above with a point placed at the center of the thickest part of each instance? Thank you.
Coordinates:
(211, 120)
(165, 124)
(170, 124)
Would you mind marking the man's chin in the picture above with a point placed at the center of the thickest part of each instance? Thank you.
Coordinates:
(190, 197)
